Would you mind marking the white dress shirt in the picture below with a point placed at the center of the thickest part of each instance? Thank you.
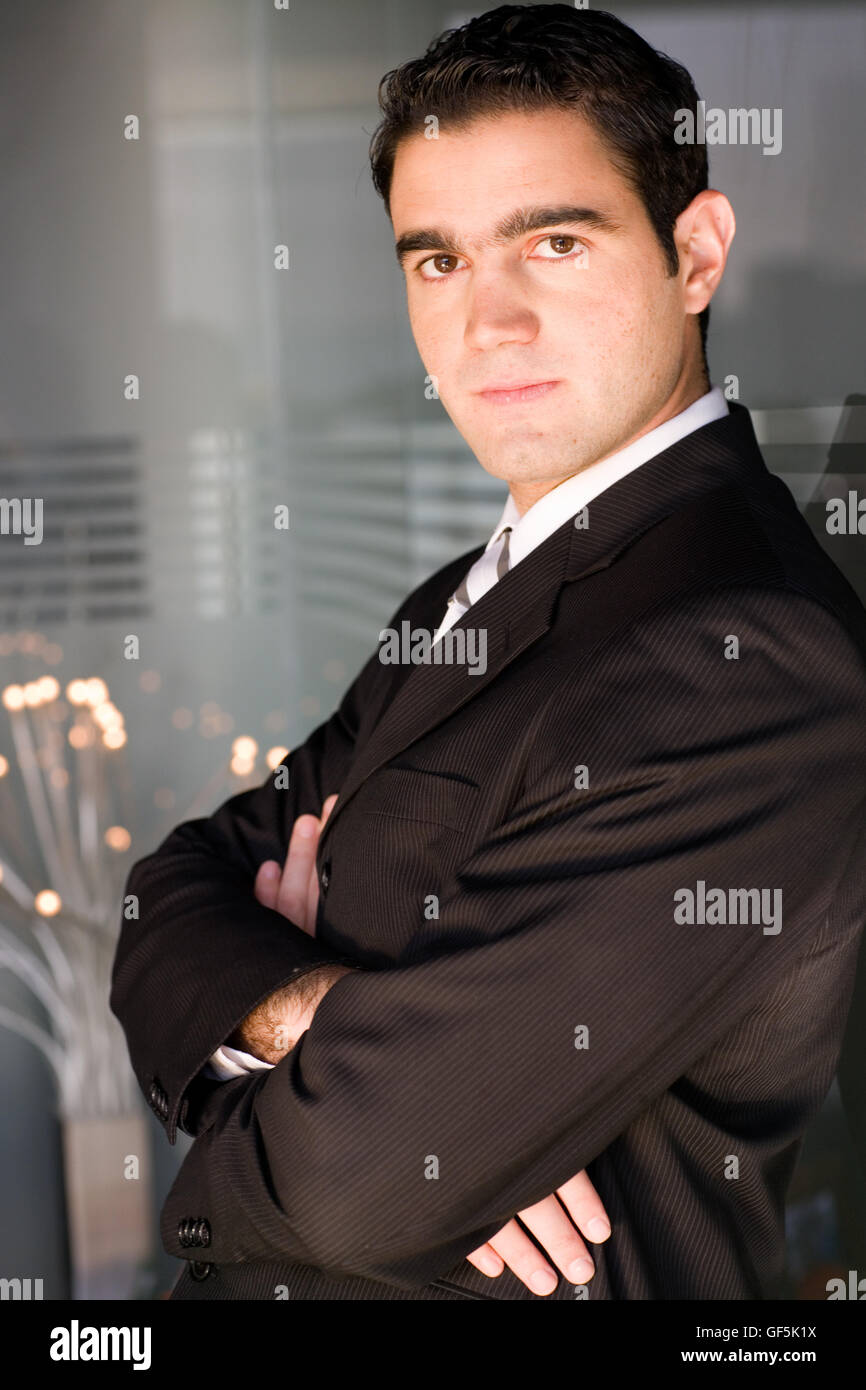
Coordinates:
(567, 499)
(528, 531)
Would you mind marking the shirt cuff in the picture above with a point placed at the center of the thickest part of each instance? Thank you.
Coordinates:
(228, 1062)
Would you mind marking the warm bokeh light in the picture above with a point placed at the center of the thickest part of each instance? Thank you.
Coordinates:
(50, 687)
(97, 691)
(13, 697)
(76, 692)
(117, 837)
(4, 765)
(108, 716)
(47, 903)
(114, 738)
(241, 767)
(245, 747)
(275, 756)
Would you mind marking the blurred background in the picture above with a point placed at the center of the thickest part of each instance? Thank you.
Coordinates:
(153, 257)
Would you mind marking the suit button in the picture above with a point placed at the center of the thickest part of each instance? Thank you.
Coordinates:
(158, 1099)
(326, 875)
(193, 1230)
(199, 1270)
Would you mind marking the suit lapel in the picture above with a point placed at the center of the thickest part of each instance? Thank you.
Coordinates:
(513, 614)
(519, 609)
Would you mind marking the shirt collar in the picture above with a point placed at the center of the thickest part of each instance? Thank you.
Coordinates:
(569, 497)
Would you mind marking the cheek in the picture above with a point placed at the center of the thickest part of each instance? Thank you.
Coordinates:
(434, 333)
(626, 313)
(653, 300)
(603, 306)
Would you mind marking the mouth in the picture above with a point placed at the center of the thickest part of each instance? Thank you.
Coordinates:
(520, 391)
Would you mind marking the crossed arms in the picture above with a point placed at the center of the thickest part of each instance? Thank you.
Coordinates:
(273, 1028)
(739, 774)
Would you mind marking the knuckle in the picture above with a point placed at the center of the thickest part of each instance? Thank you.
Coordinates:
(565, 1251)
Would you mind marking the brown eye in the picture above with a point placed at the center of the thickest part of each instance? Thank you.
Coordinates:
(437, 266)
(560, 248)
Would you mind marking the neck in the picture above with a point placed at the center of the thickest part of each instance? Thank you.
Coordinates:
(525, 495)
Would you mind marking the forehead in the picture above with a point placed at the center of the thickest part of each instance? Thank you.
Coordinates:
(550, 156)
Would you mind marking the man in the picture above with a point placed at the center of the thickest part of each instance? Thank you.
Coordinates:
(582, 921)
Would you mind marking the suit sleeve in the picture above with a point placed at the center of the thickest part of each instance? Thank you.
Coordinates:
(429, 1102)
(202, 952)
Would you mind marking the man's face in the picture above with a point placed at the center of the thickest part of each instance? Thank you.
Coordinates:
(589, 308)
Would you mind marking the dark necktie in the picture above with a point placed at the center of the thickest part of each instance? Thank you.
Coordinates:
(461, 593)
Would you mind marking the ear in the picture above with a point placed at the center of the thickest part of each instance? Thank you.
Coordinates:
(703, 233)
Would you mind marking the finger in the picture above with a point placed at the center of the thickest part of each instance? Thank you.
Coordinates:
(312, 901)
(292, 896)
(523, 1258)
(585, 1208)
(313, 885)
(555, 1232)
(267, 883)
(486, 1259)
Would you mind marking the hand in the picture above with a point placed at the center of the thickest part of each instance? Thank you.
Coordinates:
(273, 1028)
(293, 890)
(552, 1228)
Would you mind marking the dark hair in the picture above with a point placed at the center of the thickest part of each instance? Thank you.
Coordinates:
(532, 57)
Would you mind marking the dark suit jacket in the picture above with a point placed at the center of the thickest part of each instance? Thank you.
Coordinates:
(496, 908)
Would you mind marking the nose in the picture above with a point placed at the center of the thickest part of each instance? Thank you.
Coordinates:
(498, 313)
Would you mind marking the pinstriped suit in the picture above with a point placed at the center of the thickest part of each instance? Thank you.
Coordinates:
(529, 1001)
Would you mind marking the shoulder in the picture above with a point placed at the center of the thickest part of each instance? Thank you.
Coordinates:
(773, 633)
(717, 667)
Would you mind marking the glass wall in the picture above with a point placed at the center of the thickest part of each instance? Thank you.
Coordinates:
(205, 323)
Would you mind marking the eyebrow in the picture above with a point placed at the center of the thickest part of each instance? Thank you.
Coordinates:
(516, 224)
